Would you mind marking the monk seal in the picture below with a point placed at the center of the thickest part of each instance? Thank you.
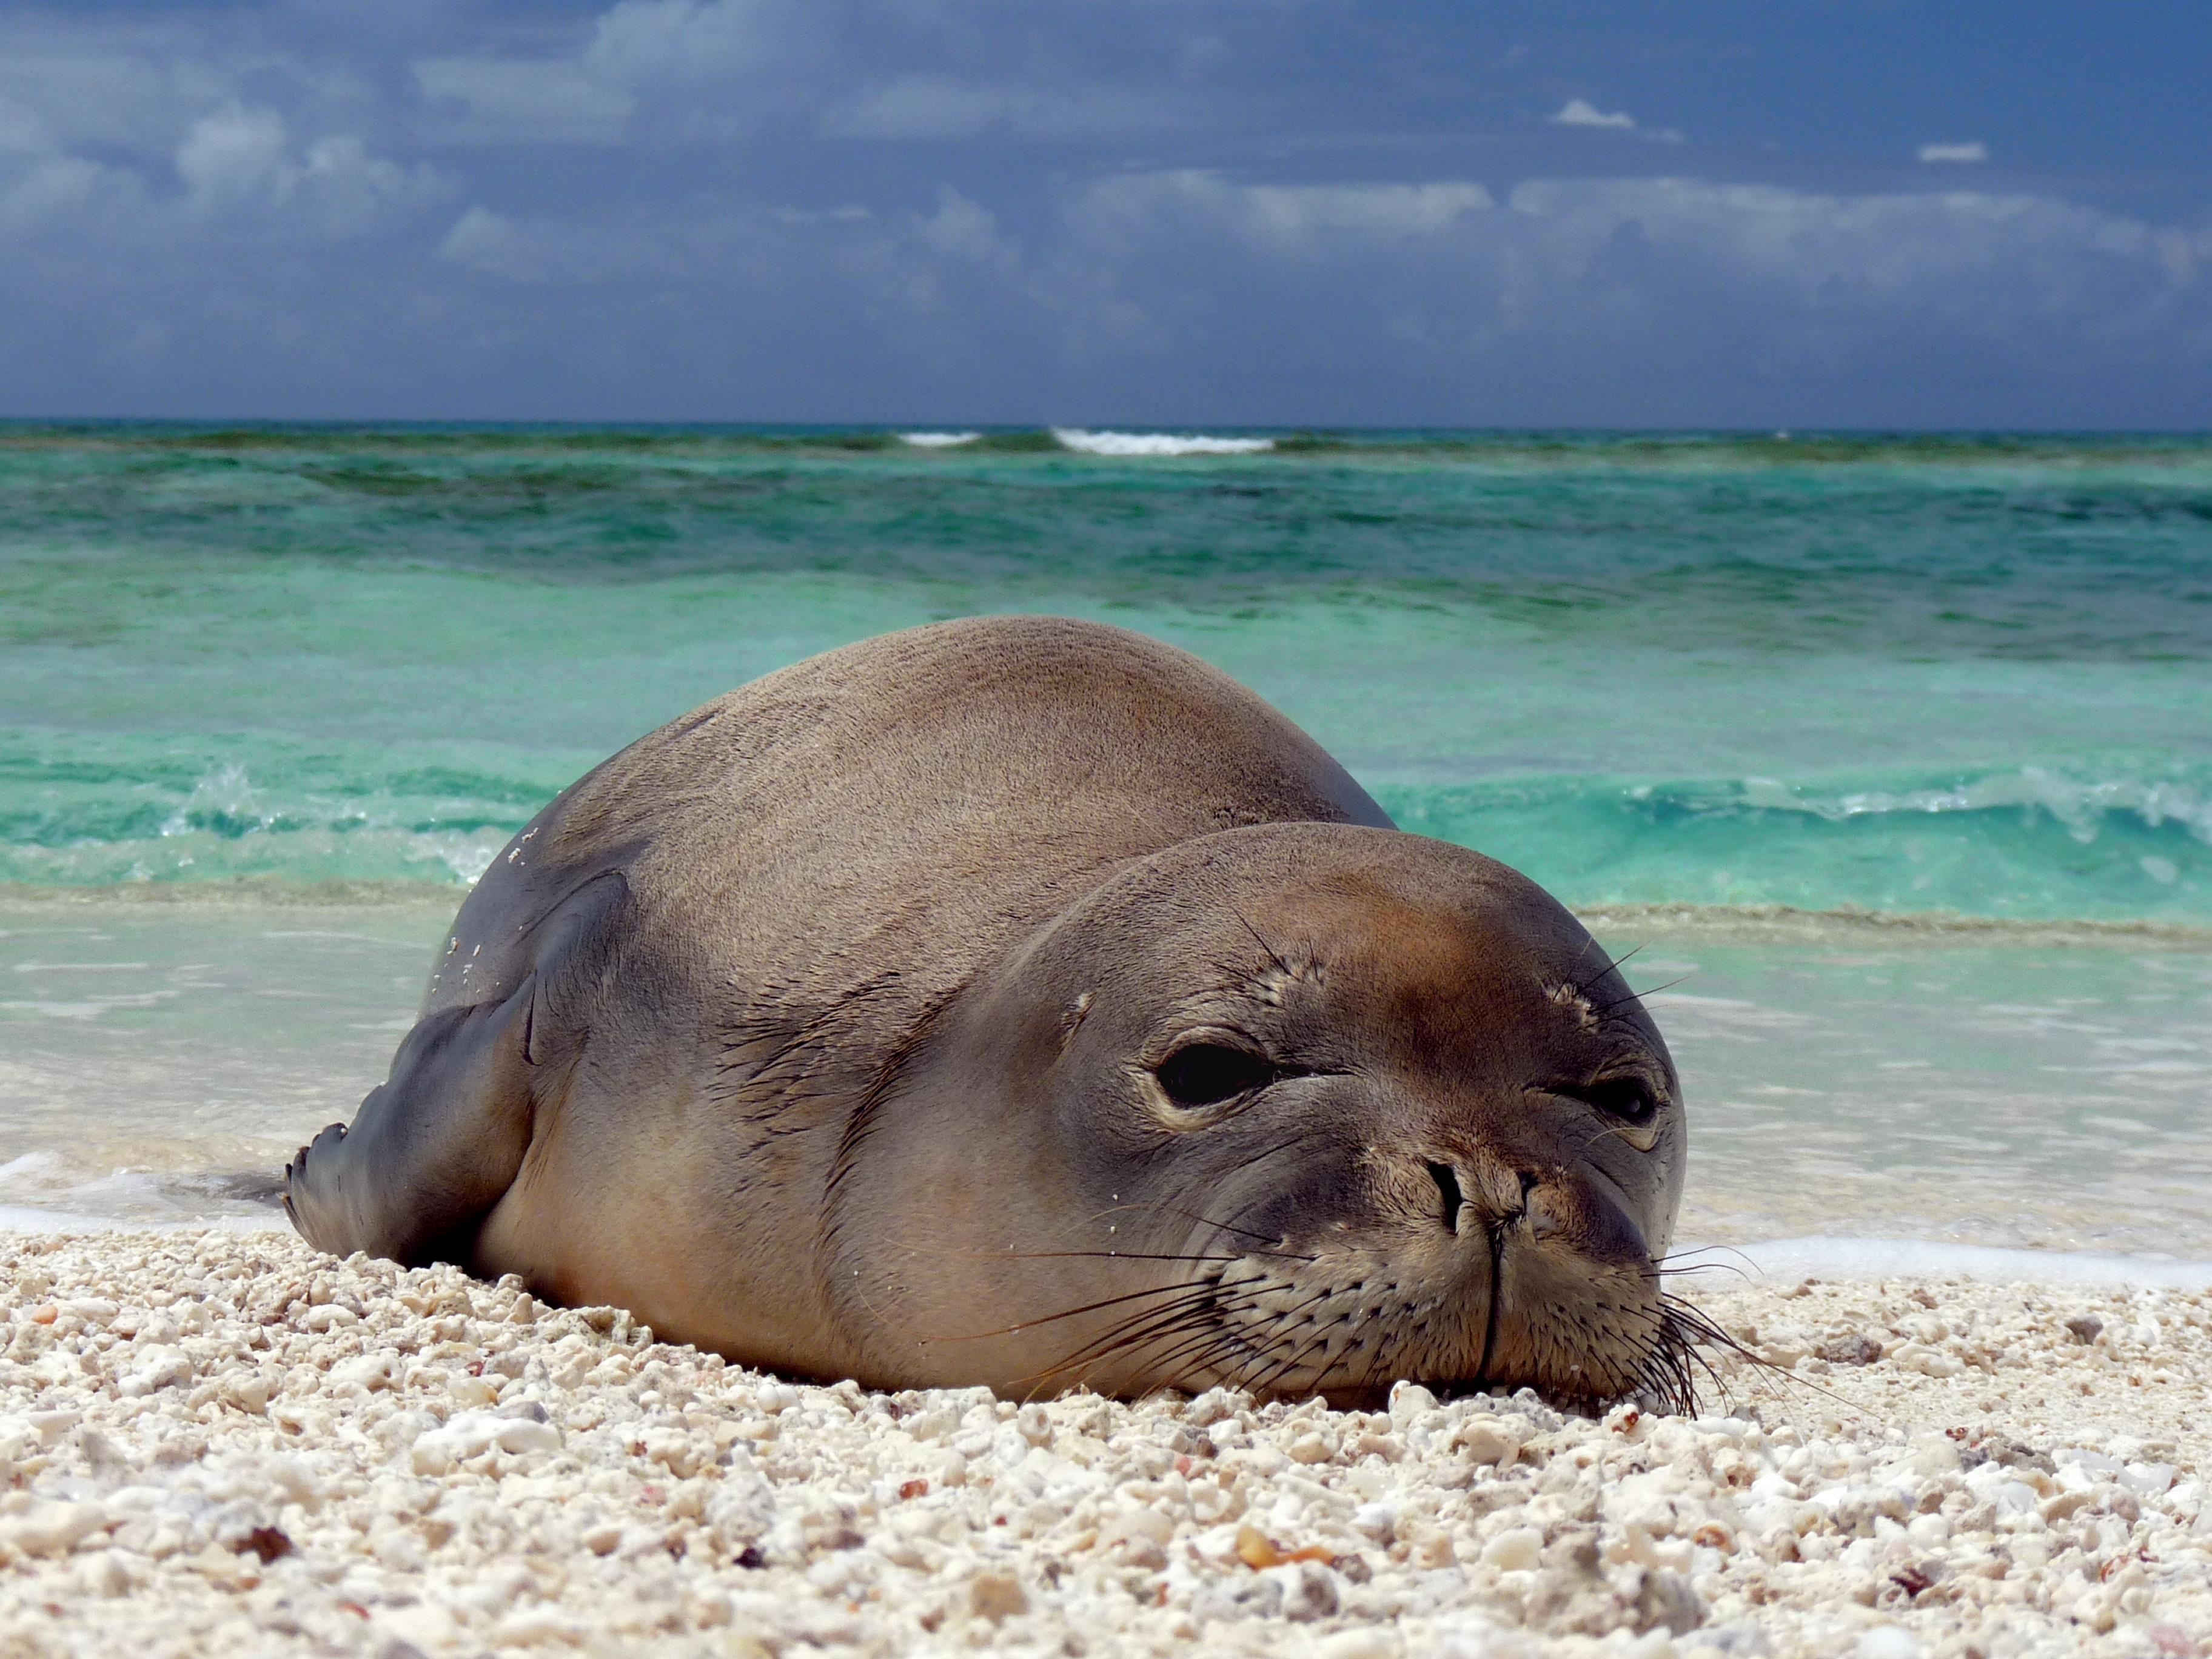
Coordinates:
(1023, 1002)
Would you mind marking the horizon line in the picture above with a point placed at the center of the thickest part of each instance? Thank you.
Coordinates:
(1764, 430)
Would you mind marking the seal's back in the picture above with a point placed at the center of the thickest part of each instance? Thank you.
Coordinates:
(659, 1009)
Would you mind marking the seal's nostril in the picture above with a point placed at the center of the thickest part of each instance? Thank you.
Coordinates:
(1447, 1180)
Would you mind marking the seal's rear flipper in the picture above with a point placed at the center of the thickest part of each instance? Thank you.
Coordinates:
(433, 1150)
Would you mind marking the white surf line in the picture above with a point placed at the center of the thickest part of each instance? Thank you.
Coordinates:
(26, 1218)
(1835, 1258)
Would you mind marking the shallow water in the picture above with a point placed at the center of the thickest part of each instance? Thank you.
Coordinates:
(1912, 675)
(1681, 681)
(2008, 1093)
(161, 1060)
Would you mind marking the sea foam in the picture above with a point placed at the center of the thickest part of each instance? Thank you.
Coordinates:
(938, 440)
(1920, 1258)
(1154, 443)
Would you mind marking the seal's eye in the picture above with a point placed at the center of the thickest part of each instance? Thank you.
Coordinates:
(1628, 1098)
(1208, 1073)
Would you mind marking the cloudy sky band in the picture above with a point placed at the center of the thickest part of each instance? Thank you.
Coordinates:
(1176, 209)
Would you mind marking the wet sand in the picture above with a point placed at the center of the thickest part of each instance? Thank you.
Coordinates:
(220, 1442)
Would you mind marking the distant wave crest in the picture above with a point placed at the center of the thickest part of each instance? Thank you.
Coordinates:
(1118, 443)
(938, 440)
(2083, 807)
(2030, 843)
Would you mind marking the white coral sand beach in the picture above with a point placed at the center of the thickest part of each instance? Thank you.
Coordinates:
(218, 1442)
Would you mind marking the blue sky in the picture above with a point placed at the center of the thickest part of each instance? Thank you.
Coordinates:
(1159, 211)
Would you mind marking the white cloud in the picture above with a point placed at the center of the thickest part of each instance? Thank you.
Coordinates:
(1976, 151)
(493, 244)
(347, 188)
(1570, 254)
(964, 229)
(926, 107)
(930, 264)
(932, 107)
(124, 88)
(1383, 210)
(234, 156)
(39, 180)
(1291, 213)
(940, 108)
(642, 40)
(590, 97)
(1958, 252)
(53, 184)
(655, 245)
(526, 100)
(241, 158)
(1580, 113)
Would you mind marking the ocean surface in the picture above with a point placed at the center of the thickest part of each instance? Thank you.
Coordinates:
(1893, 754)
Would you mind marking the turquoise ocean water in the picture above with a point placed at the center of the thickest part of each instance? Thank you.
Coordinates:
(1896, 751)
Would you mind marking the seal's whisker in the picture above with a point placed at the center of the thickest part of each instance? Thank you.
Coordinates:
(1206, 1313)
(1148, 1324)
(1210, 1312)
(1693, 1321)
(1065, 1313)
(1583, 989)
(1272, 955)
(1373, 1375)
(1707, 1249)
(1071, 1255)
(1330, 1328)
(1694, 1329)
(1203, 1220)
(1141, 1324)
(1688, 1331)
(1145, 1324)
(1059, 1373)
(1662, 1373)
(1659, 1272)
(1200, 1345)
(1263, 1342)
(1635, 996)
(1200, 1310)
(1318, 1339)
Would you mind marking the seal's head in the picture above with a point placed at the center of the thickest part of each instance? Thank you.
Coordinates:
(1300, 1108)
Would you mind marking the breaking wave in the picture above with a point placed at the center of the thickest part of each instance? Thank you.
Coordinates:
(2028, 844)
(1120, 444)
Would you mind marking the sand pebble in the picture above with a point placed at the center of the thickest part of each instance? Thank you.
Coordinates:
(1887, 1642)
(223, 1443)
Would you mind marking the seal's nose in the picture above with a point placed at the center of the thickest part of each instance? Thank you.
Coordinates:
(1498, 1195)
(1452, 1197)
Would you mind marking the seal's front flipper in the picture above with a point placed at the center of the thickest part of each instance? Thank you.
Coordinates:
(433, 1150)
